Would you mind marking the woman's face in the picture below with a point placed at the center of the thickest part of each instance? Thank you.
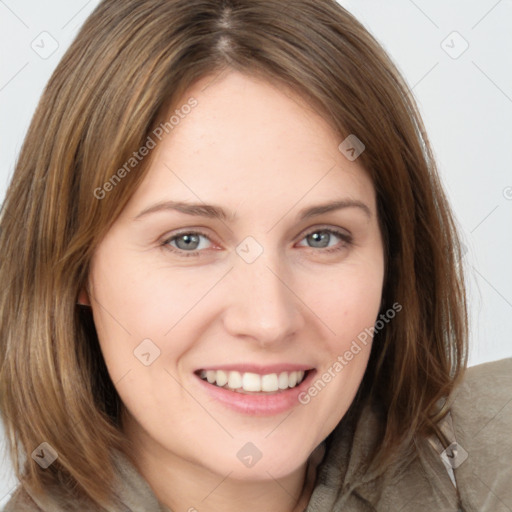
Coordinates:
(258, 283)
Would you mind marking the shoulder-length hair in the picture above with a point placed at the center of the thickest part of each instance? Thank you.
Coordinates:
(128, 66)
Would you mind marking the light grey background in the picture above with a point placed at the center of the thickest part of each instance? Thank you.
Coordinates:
(465, 98)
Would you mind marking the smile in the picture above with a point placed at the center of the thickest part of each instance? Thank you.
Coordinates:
(249, 382)
(256, 390)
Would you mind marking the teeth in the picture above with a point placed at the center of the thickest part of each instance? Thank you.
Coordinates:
(269, 382)
(283, 380)
(222, 378)
(234, 380)
(253, 382)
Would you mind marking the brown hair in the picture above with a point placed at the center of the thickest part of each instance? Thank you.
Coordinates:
(130, 62)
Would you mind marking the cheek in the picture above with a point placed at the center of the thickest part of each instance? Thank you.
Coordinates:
(350, 301)
(350, 310)
(135, 300)
(132, 296)
(349, 306)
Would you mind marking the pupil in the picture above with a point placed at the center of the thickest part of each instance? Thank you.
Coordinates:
(318, 236)
(189, 240)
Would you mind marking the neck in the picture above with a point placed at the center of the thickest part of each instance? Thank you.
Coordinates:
(195, 489)
(183, 485)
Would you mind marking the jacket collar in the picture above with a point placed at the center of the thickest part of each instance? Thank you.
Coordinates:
(347, 481)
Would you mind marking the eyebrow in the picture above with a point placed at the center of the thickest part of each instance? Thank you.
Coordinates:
(217, 212)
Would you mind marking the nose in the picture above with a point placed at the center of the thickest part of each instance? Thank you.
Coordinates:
(263, 306)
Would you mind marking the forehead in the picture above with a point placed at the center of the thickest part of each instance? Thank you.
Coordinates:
(249, 140)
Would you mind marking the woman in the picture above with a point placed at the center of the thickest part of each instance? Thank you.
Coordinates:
(231, 277)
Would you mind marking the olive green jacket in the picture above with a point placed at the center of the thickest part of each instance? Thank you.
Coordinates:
(479, 462)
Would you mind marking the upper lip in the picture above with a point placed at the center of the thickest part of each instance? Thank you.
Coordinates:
(261, 370)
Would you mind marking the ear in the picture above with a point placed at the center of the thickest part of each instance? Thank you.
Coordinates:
(83, 298)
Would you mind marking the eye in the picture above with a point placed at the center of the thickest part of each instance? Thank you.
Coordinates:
(187, 243)
(321, 238)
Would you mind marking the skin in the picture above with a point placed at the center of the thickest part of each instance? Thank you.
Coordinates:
(264, 153)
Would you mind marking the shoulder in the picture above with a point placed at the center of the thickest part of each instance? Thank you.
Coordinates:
(494, 370)
(131, 492)
(482, 422)
(484, 397)
(21, 502)
(50, 500)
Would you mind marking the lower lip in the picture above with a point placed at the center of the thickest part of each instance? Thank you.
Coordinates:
(261, 404)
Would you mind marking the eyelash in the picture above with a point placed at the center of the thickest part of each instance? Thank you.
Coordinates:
(347, 239)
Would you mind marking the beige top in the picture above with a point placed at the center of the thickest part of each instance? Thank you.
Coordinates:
(479, 424)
